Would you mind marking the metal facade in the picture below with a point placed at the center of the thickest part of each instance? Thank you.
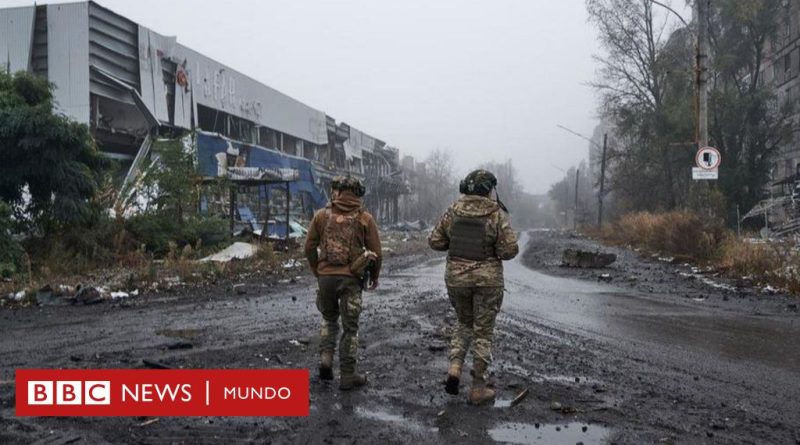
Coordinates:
(16, 37)
(68, 58)
(219, 87)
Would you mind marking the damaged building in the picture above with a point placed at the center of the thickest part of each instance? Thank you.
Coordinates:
(132, 85)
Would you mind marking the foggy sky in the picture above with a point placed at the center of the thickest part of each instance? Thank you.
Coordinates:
(483, 79)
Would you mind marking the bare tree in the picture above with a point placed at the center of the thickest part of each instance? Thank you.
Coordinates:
(645, 83)
(437, 186)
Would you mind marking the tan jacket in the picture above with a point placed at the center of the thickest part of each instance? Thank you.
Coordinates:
(367, 237)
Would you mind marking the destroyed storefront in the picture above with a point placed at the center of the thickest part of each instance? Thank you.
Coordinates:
(260, 190)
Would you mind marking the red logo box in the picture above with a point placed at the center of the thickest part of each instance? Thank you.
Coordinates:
(169, 392)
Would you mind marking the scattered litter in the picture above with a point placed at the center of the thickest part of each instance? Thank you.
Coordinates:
(292, 264)
(440, 414)
(437, 348)
(606, 278)
(239, 289)
(18, 296)
(148, 422)
(237, 250)
(88, 295)
(769, 290)
(180, 345)
(294, 342)
(520, 397)
(120, 294)
(155, 364)
(46, 297)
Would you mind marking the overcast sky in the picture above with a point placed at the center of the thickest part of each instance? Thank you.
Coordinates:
(485, 79)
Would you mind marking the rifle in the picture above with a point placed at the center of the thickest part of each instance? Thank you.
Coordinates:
(366, 279)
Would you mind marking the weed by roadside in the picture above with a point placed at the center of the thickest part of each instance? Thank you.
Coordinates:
(690, 238)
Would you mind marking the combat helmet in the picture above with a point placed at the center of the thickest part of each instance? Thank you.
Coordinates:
(478, 182)
(342, 183)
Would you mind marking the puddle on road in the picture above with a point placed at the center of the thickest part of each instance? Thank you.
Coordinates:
(399, 420)
(555, 434)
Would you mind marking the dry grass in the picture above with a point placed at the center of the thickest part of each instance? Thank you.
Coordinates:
(688, 236)
(674, 233)
(773, 262)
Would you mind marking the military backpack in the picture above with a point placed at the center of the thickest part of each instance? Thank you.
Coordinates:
(339, 237)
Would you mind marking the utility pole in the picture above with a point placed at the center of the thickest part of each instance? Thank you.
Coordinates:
(602, 183)
(701, 70)
(575, 214)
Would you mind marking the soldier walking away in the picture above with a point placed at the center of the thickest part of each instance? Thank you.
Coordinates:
(342, 247)
(477, 236)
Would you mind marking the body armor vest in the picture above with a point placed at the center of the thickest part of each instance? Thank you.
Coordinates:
(468, 239)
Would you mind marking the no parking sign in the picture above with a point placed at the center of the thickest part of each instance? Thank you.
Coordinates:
(707, 160)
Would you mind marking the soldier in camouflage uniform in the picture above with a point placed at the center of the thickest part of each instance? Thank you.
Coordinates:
(340, 237)
(476, 233)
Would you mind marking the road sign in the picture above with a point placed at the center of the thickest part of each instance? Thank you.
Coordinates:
(701, 173)
(708, 158)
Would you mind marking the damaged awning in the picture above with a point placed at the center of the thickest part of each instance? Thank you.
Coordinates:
(262, 174)
(137, 99)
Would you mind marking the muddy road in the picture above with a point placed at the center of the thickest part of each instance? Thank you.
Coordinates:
(604, 362)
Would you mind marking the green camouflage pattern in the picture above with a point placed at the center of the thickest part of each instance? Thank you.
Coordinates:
(480, 179)
(461, 272)
(476, 312)
(340, 296)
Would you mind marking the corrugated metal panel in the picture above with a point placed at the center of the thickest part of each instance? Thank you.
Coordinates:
(16, 37)
(151, 47)
(39, 51)
(113, 44)
(220, 87)
(68, 57)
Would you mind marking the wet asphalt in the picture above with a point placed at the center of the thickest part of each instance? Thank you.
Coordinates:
(603, 364)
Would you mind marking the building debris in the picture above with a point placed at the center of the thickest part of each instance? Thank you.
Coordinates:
(236, 251)
(584, 259)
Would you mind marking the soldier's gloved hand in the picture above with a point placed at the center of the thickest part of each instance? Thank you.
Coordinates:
(373, 284)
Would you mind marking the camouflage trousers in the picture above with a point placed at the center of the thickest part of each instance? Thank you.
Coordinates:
(476, 311)
(338, 295)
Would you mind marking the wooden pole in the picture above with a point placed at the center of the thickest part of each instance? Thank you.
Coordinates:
(288, 199)
(232, 206)
(602, 183)
(575, 214)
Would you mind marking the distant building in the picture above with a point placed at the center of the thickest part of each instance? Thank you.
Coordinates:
(782, 69)
(130, 84)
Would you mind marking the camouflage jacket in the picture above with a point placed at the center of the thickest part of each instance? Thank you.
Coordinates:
(467, 273)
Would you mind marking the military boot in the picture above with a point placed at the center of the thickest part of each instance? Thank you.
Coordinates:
(453, 378)
(326, 365)
(480, 393)
(351, 381)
